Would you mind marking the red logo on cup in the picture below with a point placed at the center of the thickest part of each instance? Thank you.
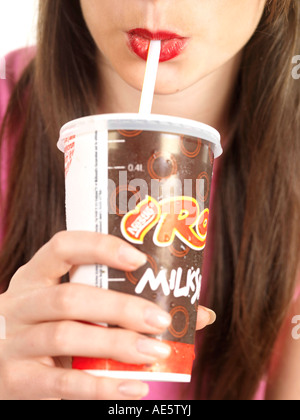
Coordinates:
(175, 217)
(181, 218)
(137, 223)
(69, 144)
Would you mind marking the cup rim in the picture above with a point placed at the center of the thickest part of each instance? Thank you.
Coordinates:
(152, 122)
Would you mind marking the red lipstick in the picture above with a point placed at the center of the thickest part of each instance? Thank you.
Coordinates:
(172, 44)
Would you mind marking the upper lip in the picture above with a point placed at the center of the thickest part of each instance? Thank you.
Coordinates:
(154, 36)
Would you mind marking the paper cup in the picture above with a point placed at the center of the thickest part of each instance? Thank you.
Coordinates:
(146, 180)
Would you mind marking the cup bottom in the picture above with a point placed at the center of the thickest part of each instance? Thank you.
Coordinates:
(177, 368)
(141, 376)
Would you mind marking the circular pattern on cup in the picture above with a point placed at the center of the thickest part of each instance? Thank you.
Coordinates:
(133, 279)
(130, 133)
(211, 155)
(174, 331)
(115, 194)
(190, 154)
(162, 165)
(179, 253)
(200, 196)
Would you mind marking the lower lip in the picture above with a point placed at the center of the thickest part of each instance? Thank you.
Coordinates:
(170, 48)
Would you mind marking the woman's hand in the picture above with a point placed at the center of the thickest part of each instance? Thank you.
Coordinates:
(42, 327)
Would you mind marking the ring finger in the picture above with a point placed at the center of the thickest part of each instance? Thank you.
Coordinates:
(55, 383)
(69, 338)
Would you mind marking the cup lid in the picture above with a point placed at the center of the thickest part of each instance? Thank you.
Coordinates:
(152, 122)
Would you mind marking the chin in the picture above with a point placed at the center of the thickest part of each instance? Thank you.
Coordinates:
(165, 84)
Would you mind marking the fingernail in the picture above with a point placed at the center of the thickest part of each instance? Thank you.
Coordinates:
(134, 389)
(157, 318)
(154, 348)
(211, 316)
(132, 257)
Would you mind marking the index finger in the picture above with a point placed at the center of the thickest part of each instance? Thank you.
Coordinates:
(69, 249)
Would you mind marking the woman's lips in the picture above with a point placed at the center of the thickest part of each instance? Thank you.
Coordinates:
(172, 44)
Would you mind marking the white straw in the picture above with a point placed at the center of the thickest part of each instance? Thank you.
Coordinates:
(150, 77)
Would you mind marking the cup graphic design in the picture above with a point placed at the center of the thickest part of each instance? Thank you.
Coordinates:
(145, 179)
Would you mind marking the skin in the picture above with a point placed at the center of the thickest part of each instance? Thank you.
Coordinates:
(41, 315)
(42, 327)
(203, 76)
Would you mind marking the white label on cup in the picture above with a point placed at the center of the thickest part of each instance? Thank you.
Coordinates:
(87, 198)
(101, 198)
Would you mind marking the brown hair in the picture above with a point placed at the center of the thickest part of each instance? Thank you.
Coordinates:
(256, 231)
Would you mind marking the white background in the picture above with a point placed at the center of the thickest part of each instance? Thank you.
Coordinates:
(17, 24)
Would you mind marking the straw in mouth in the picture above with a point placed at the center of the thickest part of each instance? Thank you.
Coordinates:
(150, 77)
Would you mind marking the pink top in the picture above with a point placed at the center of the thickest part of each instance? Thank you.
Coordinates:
(15, 63)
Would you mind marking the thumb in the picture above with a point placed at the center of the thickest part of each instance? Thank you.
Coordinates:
(205, 317)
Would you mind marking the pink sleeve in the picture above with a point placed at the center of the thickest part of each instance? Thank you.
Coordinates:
(297, 291)
(5, 91)
(15, 62)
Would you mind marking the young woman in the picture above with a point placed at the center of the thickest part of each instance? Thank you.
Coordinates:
(234, 72)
